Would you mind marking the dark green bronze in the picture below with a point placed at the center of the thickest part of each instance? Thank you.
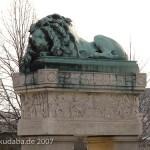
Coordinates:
(53, 37)
(85, 65)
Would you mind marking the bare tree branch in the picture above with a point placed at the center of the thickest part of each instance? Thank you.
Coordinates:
(13, 43)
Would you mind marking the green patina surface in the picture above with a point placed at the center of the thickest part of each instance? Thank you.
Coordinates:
(94, 65)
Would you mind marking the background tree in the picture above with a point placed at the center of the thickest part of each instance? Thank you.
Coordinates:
(144, 102)
(144, 109)
(13, 42)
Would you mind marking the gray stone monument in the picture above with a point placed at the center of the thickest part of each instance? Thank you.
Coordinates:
(72, 88)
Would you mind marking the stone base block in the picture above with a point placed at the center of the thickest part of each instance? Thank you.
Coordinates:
(81, 128)
(48, 143)
(112, 143)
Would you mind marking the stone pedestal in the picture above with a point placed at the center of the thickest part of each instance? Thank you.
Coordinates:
(101, 106)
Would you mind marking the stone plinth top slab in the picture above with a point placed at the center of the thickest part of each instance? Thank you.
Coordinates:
(52, 79)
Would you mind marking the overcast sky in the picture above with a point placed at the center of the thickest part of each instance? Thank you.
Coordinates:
(118, 19)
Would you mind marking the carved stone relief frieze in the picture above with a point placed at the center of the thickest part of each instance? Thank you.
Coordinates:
(16, 79)
(79, 105)
(141, 79)
(34, 105)
(47, 75)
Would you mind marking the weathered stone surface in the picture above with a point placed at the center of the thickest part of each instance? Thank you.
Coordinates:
(78, 127)
(55, 80)
(72, 113)
(83, 106)
(79, 103)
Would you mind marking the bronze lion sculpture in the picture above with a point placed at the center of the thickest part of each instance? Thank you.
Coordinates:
(53, 36)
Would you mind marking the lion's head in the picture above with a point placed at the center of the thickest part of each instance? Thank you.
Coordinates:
(51, 36)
